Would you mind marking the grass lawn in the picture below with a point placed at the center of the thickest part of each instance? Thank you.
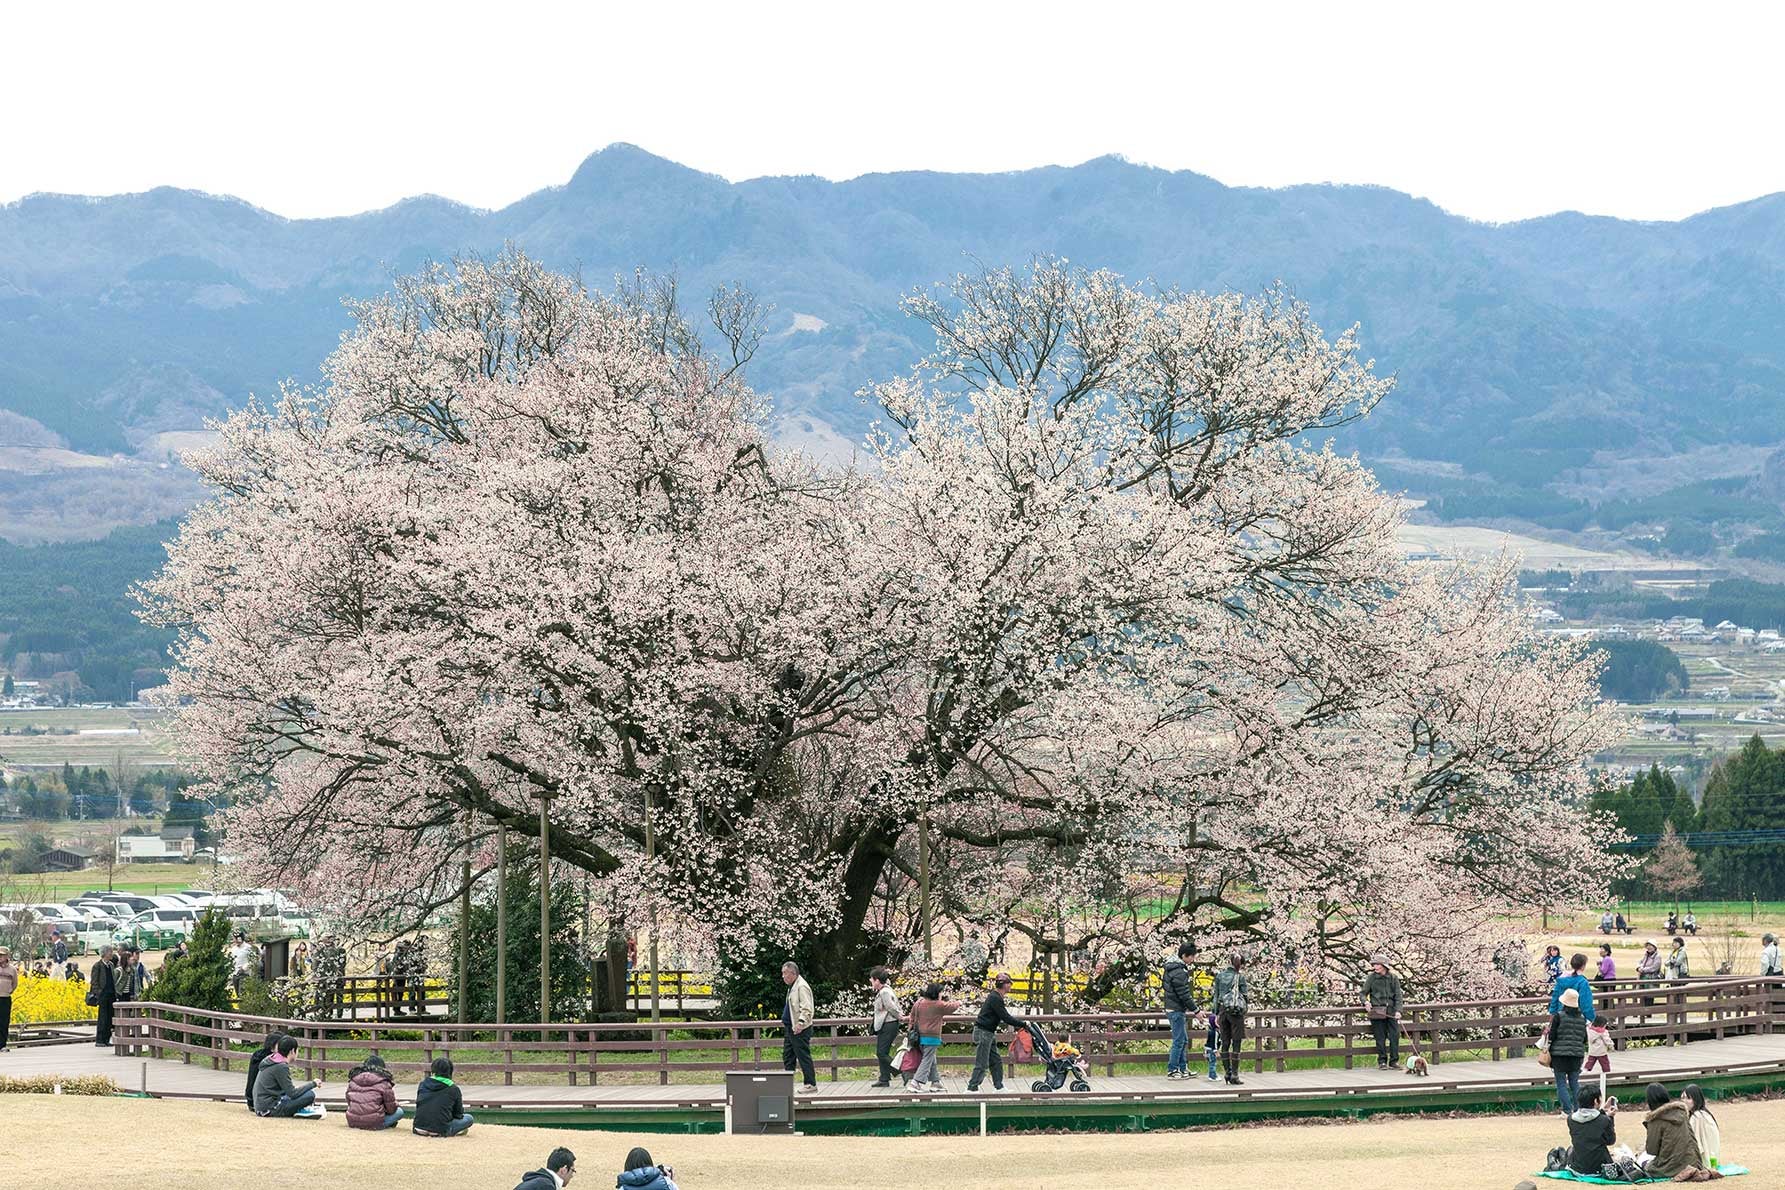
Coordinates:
(170, 1145)
(143, 879)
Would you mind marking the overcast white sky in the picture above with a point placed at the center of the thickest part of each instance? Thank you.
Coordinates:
(1494, 110)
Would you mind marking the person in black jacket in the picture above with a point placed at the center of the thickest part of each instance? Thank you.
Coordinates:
(992, 1014)
(1567, 1049)
(1178, 1008)
(256, 1058)
(104, 993)
(560, 1167)
(439, 1104)
(1591, 1133)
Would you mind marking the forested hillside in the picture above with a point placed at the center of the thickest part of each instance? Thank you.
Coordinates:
(1542, 364)
(66, 615)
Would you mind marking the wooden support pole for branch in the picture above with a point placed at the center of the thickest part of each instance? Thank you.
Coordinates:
(465, 927)
(501, 923)
(545, 915)
(923, 882)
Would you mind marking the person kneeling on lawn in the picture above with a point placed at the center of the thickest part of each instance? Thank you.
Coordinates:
(439, 1105)
(642, 1173)
(560, 1167)
(276, 1096)
(372, 1096)
(1591, 1133)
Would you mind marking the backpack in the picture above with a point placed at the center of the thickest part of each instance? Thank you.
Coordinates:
(1558, 1159)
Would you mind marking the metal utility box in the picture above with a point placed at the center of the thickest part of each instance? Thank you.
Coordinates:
(275, 959)
(759, 1101)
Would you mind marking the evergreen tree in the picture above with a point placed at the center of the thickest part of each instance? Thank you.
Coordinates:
(201, 979)
(1746, 793)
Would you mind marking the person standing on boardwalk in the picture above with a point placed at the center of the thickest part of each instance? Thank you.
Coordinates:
(9, 982)
(1568, 1049)
(1608, 970)
(103, 993)
(1678, 965)
(796, 1025)
(1769, 955)
(1231, 991)
(1576, 982)
(1382, 1001)
(927, 1016)
(887, 1022)
(1178, 1007)
(992, 1014)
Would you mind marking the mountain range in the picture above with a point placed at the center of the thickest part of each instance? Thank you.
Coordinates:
(1553, 363)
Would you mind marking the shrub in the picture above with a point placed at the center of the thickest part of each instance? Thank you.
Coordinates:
(56, 1084)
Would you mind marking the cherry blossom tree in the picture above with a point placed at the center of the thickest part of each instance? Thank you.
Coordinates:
(1159, 631)
(1104, 613)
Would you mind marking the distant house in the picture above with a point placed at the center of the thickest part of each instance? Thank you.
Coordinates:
(175, 843)
(65, 859)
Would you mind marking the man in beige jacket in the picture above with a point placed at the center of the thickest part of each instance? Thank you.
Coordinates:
(796, 1025)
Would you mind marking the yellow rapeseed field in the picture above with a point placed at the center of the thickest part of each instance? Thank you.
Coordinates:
(38, 1000)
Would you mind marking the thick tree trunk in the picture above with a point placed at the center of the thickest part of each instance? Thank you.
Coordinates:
(842, 957)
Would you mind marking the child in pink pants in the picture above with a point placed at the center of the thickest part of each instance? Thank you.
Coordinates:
(1598, 1048)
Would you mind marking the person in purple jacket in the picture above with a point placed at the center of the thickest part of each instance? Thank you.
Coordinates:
(1608, 970)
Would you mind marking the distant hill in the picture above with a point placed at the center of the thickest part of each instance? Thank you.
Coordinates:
(1542, 364)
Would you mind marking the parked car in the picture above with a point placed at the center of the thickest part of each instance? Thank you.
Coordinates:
(54, 914)
(157, 929)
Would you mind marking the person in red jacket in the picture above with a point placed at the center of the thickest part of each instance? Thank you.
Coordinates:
(372, 1096)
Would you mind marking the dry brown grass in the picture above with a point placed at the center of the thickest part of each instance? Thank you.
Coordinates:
(175, 1146)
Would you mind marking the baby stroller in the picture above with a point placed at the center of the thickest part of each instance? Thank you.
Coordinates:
(1062, 1062)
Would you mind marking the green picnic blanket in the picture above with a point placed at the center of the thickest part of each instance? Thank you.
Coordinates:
(1568, 1175)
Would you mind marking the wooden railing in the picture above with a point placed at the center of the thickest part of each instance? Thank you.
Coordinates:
(665, 1052)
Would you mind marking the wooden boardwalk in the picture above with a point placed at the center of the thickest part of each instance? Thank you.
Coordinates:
(1745, 1055)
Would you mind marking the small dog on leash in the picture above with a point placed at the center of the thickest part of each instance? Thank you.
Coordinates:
(1416, 1066)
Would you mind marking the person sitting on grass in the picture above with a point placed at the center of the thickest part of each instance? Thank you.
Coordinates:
(372, 1096)
(642, 1173)
(560, 1167)
(1591, 1133)
(1668, 1139)
(439, 1104)
(267, 1049)
(1704, 1126)
(276, 1096)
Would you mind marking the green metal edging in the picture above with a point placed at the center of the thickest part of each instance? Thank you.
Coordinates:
(1081, 1116)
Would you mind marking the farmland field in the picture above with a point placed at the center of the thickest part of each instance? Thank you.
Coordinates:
(48, 737)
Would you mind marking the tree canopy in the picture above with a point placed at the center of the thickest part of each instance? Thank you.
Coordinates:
(1100, 618)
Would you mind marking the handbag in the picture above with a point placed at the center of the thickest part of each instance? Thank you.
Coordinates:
(1543, 1058)
(92, 998)
(1378, 1012)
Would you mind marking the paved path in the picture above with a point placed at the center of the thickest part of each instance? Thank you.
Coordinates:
(1753, 1054)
